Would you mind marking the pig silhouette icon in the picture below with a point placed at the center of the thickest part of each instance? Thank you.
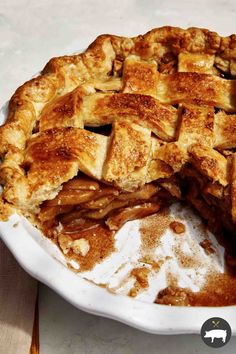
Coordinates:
(216, 333)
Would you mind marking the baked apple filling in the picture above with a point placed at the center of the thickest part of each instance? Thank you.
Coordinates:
(83, 203)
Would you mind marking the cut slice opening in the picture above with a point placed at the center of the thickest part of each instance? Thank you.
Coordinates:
(84, 204)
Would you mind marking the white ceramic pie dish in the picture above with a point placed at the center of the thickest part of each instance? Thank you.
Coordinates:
(86, 296)
(42, 260)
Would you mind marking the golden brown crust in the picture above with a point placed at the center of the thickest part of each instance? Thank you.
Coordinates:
(225, 130)
(129, 154)
(62, 112)
(233, 188)
(102, 109)
(141, 78)
(173, 155)
(197, 88)
(52, 158)
(197, 125)
(209, 162)
(197, 63)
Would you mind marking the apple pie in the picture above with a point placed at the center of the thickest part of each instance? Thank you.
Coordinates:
(122, 130)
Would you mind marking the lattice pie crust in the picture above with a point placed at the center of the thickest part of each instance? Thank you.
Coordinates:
(148, 120)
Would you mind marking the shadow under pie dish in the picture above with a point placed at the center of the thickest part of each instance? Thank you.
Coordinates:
(121, 131)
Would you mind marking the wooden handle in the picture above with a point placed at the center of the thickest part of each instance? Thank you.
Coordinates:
(18, 294)
(34, 349)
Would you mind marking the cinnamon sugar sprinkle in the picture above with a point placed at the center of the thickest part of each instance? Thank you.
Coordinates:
(152, 228)
(192, 260)
(101, 241)
(219, 290)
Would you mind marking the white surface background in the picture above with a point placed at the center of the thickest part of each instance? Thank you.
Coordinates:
(31, 32)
